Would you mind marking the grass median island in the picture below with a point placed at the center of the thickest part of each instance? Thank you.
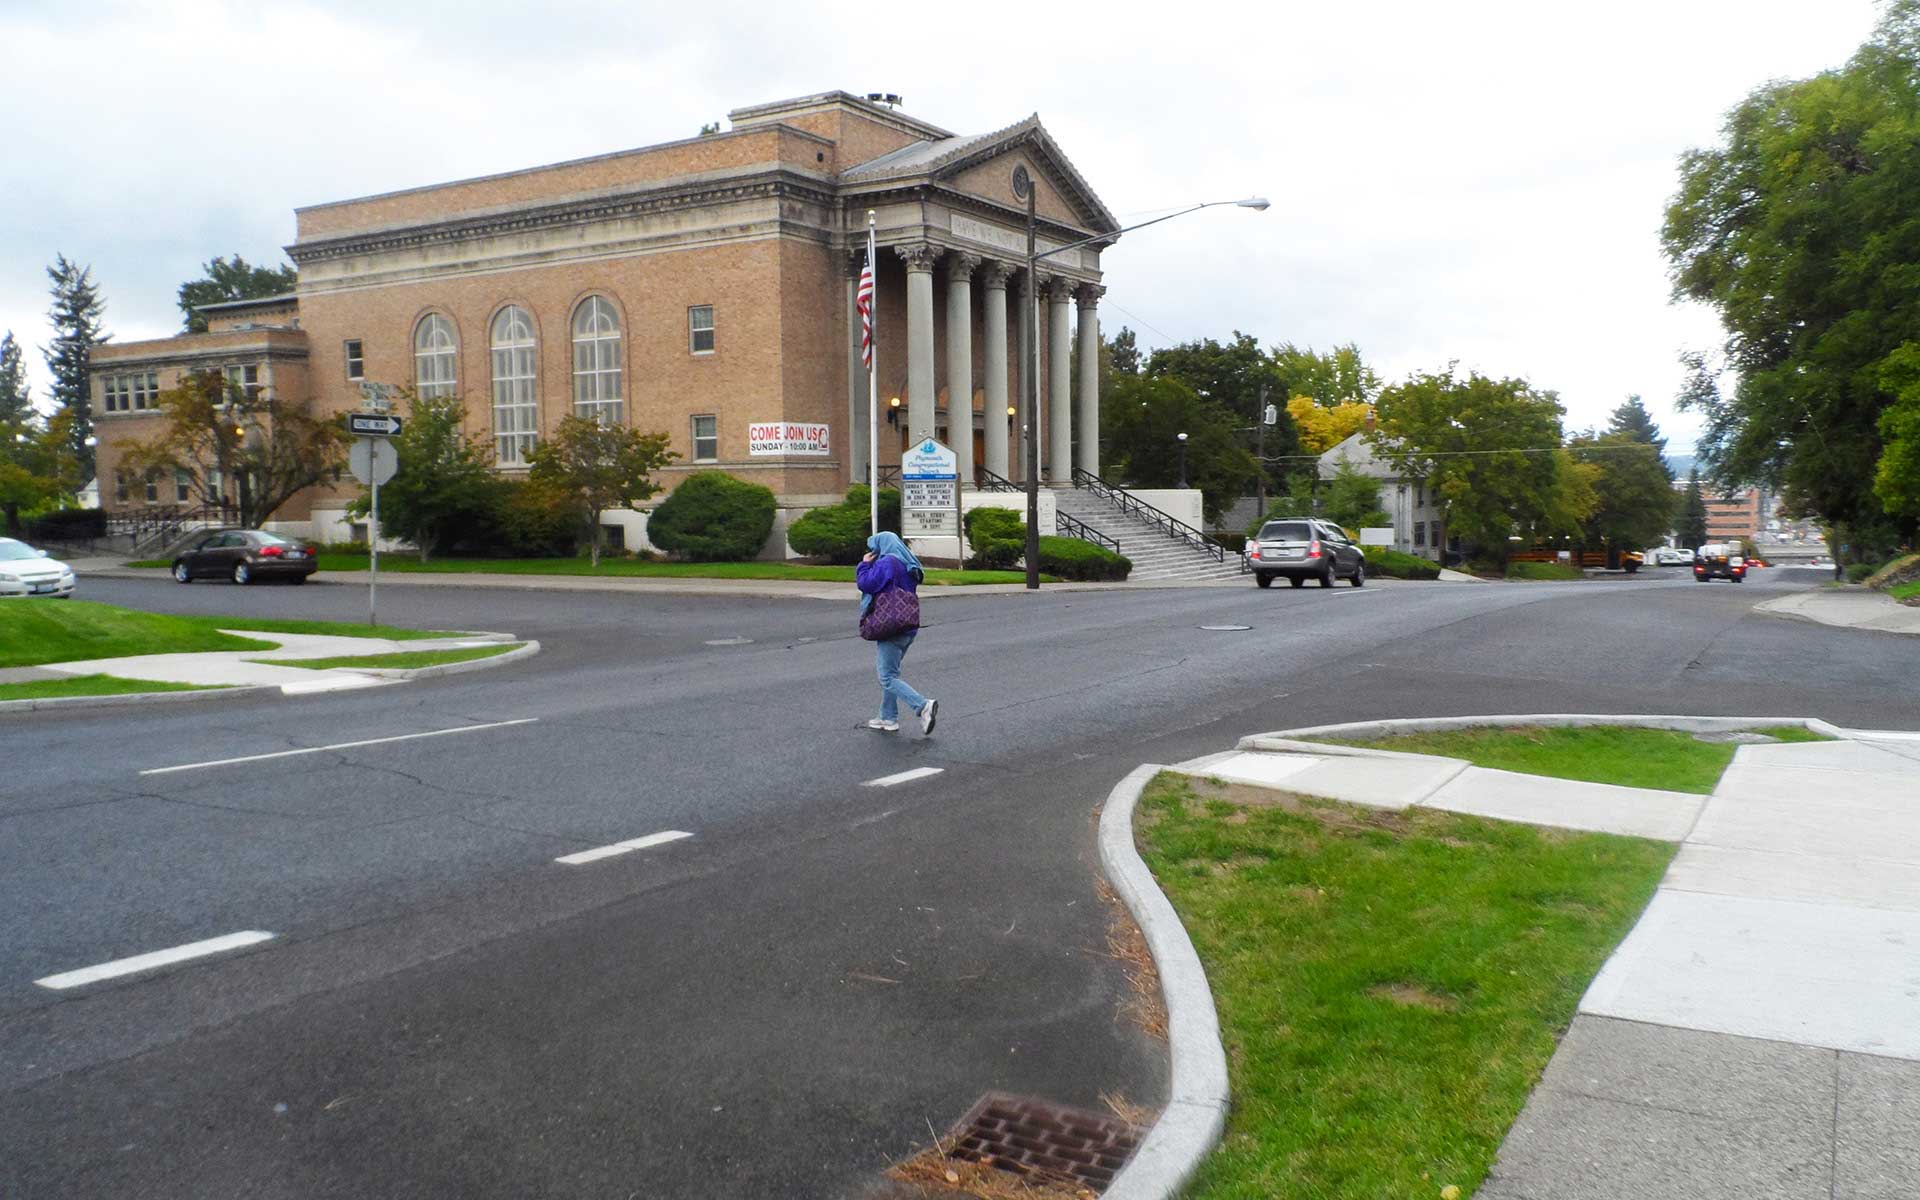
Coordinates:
(94, 685)
(1667, 759)
(1390, 985)
(404, 660)
(633, 568)
(35, 632)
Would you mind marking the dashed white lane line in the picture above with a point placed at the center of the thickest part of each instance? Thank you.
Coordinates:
(159, 958)
(903, 777)
(639, 843)
(404, 737)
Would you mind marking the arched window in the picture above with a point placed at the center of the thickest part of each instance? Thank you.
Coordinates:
(434, 354)
(596, 362)
(516, 413)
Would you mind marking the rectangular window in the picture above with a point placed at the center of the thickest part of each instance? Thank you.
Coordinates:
(706, 438)
(182, 487)
(1419, 533)
(112, 397)
(120, 487)
(247, 379)
(153, 487)
(700, 328)
(356, 362)
(1419, 495)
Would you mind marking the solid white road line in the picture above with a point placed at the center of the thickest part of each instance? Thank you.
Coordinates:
(903, 777)
(159, 958)
(641, 843)
(404, 737)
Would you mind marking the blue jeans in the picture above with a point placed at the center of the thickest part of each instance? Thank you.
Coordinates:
(894, 689)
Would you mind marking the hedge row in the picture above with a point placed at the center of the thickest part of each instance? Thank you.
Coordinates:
(998, 537)
(1392, 564)
(839, 532)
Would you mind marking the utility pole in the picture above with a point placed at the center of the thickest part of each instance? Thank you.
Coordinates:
(1260, 452)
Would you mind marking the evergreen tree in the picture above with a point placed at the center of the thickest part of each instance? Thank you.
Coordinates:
(16, 400)
(1692, 530)
(1125, 348)
(1633, 420)
(76, 331)
(236, 280)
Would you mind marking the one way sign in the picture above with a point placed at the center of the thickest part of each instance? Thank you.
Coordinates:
(372, 425)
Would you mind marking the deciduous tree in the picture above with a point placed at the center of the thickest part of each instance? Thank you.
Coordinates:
(1141, 422)
(226, 281)
(1897, 481)
(445, 482)
(1487, 448)
(76, 312)
(1338, 376)
(1633, 494)
(594, 467)
(247, 453)
(1324, 426)
(37, 466)
(1800, 228)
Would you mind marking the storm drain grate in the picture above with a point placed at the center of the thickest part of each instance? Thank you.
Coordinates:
(1033, 1137)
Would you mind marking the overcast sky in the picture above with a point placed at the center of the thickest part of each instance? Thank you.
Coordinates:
(1478, 180)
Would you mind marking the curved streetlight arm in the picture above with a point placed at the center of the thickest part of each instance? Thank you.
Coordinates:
(1256, 203)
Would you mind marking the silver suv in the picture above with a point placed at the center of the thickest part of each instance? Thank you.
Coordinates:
(1303, 548)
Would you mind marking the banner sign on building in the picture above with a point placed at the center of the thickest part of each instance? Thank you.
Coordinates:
(788, 437)
(930, 491)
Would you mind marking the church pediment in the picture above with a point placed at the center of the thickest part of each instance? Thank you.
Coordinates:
(995, 167)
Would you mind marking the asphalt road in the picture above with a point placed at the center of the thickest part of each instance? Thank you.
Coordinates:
(782, 1002)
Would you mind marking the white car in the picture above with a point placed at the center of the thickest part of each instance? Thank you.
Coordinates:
(1669, 556)
(25, 571)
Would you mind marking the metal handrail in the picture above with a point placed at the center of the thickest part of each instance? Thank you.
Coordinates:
(990, 482)
(1062, 523)
(888, 475)
(1130, 503)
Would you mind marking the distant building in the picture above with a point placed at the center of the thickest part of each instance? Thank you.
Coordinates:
(1736, 516)
(704, 288)
(1418, 522)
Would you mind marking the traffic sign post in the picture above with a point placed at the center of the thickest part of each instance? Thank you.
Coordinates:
(373, 461)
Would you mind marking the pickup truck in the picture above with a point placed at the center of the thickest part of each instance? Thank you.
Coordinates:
(1719, 560)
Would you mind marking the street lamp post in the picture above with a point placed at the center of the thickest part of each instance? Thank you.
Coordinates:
(1030, 352)
(1183, 458)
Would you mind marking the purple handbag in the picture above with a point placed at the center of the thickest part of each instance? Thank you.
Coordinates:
(894, 612)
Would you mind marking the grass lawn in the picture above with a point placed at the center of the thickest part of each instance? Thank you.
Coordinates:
(1390, 985)
(33, 632)
(407, 659)
(632, 568)
(93, 685)
(1543, 570)
(1905, 591)
(1624, 755)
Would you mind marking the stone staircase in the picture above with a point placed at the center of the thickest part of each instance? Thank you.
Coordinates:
(1156, 555)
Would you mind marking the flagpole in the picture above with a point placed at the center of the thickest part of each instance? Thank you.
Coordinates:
(873, 391)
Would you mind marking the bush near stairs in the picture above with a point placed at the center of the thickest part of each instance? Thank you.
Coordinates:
(1392, 564)
(999, 540)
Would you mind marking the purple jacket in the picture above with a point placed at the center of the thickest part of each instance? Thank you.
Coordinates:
(883, 573)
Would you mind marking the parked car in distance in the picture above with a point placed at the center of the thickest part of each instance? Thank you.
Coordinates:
(1719, 560)
(245, 555)
(25, 571)
(1669, 556)
(1303, 548)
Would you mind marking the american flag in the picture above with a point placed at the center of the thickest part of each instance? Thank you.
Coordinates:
(863, 300)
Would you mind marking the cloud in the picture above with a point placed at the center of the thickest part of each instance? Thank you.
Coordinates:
(1481, 182)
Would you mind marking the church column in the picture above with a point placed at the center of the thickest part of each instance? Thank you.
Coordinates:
(960, 268)
(994, 279)
(855, 439)
(1059, 445)
(1088, 418)
(919, 258)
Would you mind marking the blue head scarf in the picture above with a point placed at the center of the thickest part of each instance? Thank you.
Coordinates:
(886, 544)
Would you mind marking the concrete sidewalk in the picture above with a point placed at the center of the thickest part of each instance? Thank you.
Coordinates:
(1758, 1032)
(1855, 608)
(256, 668)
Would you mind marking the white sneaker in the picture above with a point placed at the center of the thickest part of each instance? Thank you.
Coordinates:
(927, 718)
(884, 725)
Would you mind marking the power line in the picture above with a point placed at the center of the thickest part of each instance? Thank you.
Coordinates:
(1634, 446)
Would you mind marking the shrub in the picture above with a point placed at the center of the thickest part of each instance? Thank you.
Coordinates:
(66, 524)
(1543, 570)
(839, 532)
(1392, 564)
(1860, 572)
(997, 537)
(713, 517)
(1901, 570)
(1071, 558)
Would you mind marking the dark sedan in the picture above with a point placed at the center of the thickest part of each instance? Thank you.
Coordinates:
(244, 555)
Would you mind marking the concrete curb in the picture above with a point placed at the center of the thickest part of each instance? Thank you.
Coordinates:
(1196, 1111)
(1287, 739)
(226, 693)
(460, 668)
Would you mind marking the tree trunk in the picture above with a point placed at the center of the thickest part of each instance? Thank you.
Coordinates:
(595, 543)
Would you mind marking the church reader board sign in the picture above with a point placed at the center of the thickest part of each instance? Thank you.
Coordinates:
(788, 437)
(930, 491)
